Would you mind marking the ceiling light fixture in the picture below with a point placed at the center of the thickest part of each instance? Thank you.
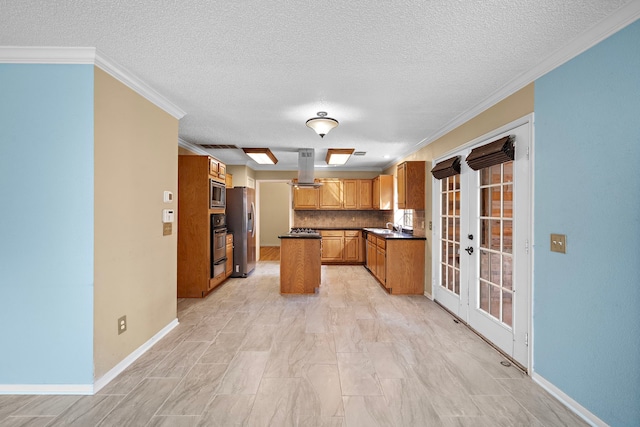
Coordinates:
(338, 156)
(322, 124)
(262, 156)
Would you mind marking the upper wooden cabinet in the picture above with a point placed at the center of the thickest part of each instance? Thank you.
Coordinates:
(357, 194)
(306, 198)
(365, 194)
(331, 194)
(383, 192)
(347, 194)
(217, 170)
(350, 193)
(411, 185)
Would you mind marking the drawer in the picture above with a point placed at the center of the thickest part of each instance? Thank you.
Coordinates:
(382, 242)
(352, 233)
(371, 238)
(332, 233)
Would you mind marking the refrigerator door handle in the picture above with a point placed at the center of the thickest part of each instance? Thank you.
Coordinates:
(253, 220)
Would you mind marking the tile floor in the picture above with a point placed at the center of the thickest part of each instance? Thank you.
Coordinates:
(349, 356)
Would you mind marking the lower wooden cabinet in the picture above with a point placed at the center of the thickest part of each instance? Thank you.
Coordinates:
(398, 264)
(229, 251)
(342, 247)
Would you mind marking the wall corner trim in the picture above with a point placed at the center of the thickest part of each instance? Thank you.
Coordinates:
(567, 401)
(124, 364)
(88, 55)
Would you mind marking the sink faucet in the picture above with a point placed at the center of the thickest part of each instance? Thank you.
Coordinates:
(394, 227)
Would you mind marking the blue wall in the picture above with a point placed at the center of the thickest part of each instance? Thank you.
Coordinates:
(587, 186)
(46, 229)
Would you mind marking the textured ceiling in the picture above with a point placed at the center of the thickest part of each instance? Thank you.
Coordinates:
(250, 73)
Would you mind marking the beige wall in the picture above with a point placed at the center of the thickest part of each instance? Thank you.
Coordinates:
(240, 174)
(136, 149)
(511, 108)
(274, 211)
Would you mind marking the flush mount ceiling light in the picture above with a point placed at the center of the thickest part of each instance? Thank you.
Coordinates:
(338, 156)
(322, 124)
(262, 156)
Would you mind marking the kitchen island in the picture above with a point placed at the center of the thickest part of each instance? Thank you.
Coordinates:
(300, 266)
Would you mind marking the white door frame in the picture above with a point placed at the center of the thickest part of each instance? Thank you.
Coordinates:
(435, 237)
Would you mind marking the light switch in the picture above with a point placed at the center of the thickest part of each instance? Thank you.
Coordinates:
(559, 243)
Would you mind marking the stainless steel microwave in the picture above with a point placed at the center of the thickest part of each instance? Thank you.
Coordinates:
(217, 195)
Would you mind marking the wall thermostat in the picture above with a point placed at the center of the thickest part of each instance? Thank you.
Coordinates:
(168, 197)
(168, 215)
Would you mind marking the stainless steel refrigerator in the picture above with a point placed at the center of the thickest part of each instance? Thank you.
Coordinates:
(241, 214)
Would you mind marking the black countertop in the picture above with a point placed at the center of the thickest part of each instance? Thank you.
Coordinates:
(300, 236)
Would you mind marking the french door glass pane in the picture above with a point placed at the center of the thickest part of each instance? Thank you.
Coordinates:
(450, 222)
(496, 242)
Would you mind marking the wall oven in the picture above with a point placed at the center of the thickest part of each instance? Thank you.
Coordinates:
(218, 244)
(217, 195)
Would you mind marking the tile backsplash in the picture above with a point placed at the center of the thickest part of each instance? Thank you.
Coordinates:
(339, 219)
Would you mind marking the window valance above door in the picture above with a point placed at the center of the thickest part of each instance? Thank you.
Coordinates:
(493, 153)
(446, 168)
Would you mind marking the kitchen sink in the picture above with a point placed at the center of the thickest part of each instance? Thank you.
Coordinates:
(381, 230)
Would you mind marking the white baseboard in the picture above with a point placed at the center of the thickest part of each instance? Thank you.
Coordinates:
(567, 401)
(80, 389)
(117, 370)
(88, 389)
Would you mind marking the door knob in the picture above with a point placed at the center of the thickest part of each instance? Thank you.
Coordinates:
(469, 250)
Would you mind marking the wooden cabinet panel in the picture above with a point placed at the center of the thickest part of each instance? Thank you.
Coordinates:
(222, 171)
(405, 266)
(411, 185)
(352, 248)
(229, 253)
(306, 198)
(365, 194)
(401, 172)
(331, 194)
(332, 247)
(228, 180)
(381, 267)
(371, 257)
(300, 267)
(350, 193)
(213, 167)
(383, 192)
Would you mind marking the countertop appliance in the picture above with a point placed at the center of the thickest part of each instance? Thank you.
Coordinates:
(241, 214)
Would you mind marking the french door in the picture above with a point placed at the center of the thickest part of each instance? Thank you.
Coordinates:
(481, 244)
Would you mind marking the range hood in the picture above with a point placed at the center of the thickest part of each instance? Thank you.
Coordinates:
(306, 157)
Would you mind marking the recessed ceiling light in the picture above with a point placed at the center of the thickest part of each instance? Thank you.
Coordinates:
(338, 156)
(262, 156)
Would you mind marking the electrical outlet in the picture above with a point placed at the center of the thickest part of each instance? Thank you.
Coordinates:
(559, 243)
(430, 225)
(122, 325)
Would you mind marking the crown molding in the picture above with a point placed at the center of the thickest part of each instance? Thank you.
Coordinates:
(88, 55)
(192, 147)
(624, 16)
